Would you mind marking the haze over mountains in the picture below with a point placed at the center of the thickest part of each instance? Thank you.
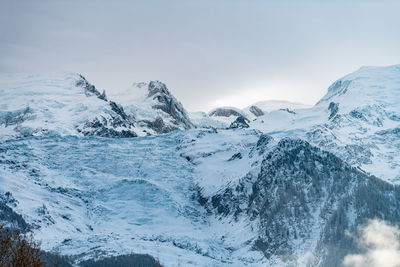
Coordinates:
(276, 183)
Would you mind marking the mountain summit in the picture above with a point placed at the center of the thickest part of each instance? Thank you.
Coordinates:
(287, 187)
(67, 104)
(358, 119)
(155, 107)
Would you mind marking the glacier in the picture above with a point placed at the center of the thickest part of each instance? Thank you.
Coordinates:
(102, 196)
(95, 175)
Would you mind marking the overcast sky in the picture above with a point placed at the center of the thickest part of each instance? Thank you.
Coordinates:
(209, 53)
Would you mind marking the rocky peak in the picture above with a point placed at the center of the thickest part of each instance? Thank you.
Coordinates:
(167, 103)
(157, 87)
(90, 89)
(117, 125)
(240, 122)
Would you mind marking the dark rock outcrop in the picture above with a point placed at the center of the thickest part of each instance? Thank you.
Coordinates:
(224, 112)
(333, 108)
(299, 189)
(169, 104)
(235, 156)
(288, 110)
(117, 125)
(118, 109)
(240, 122)
(90, 89)
(256, 111)
(122, 124)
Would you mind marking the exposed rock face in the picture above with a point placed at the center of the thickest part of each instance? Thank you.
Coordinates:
(153, 107)
(299, 190)
(222, 117)
(168, 103)
(224, 112)
(67, 104)
(256, 111)
(156, 91)
(117, 125)
(240, 122)
(61, 105)
(119, 110)
(235, 156)
(159, 126)
(288, 110)
(349, 120)
(333, 108)
(108, 128)
(175, 117)
(287, 197)
(90, 89)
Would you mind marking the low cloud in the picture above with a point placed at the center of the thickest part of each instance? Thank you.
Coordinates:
(380, 243)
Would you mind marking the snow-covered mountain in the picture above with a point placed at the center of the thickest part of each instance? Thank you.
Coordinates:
(271, 105)
(60, 104)
(195, 198)
(301, 203)
(289, 188)
(219, 118)
(155, 107)
(67, 104)
(358, 120)
(91, 196)
(223, 117)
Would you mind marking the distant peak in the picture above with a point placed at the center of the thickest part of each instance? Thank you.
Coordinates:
(225, 112)
(140, 84)
(256, 111)
(365, 86)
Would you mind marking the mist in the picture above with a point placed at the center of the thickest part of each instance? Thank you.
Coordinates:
(209, 53)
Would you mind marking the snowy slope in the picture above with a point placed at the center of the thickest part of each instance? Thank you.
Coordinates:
(60, 104)
(222, 117)
(281, 193)
(358, 119)
(67, 104)
(304, 203)
(100, 196)
(194, 198)
(271, 105)
(219, 118)
(154, 107)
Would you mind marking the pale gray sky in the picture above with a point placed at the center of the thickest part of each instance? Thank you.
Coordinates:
(209, 53)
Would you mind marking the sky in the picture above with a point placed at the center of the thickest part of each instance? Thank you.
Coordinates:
(209, 53)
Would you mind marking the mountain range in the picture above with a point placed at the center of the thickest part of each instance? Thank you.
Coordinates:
(94, 175)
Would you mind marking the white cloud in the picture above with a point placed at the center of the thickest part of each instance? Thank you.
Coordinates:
(380, 242)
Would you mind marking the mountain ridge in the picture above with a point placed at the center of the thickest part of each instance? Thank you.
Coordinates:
(288, 188)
